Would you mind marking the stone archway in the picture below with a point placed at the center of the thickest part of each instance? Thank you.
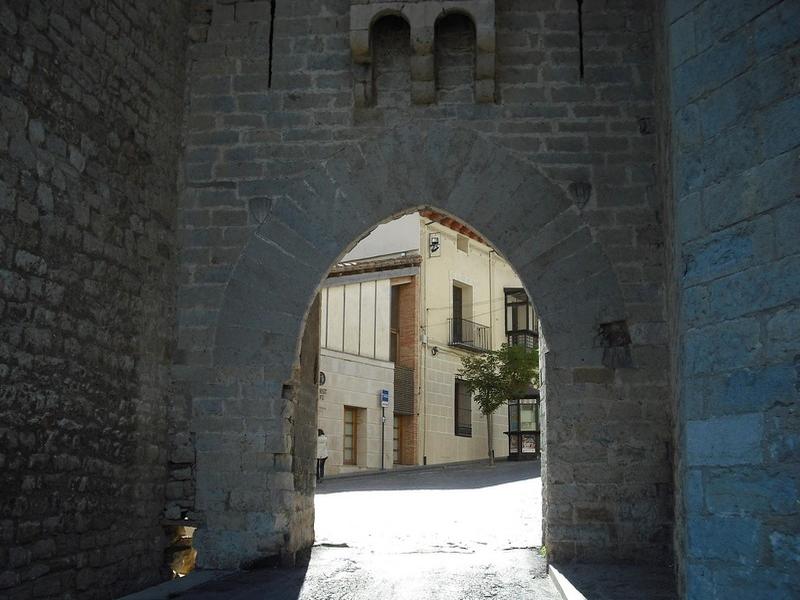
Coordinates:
(253, 475)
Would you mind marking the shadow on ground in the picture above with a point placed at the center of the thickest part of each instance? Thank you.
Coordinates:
(621, 582)
(441, 543)
(275, 584)
(442, 478)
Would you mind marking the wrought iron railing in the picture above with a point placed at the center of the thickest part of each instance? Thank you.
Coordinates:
(470, 335)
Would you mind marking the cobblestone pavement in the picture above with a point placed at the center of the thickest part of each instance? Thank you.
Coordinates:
(460, 533)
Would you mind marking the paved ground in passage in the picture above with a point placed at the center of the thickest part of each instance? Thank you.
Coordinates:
(461, 533)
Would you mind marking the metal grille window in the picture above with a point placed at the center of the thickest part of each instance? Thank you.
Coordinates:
(403, 391)
(463, 409)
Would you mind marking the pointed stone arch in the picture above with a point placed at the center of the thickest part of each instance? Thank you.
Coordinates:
(264, 506)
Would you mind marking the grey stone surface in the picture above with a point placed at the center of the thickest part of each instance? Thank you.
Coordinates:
(88, 259)
(333, 168)
(436, 546)
(735, 173)
(613, 582)
(125, 401)
(174, 587)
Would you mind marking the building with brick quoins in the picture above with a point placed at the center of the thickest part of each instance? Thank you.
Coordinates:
(177, 179)
(398, 314)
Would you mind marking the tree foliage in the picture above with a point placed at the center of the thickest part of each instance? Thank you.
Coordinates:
(498, 375)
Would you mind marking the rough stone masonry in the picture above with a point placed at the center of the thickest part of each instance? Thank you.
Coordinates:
(90, 96)
(302, 134)
(177, 177)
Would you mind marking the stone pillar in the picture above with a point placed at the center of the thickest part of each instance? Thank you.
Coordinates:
(423, 80)
(360, 21)
(303, 396)
(485, 61)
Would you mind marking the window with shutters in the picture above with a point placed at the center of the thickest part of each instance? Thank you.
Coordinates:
(350, 438)
(463, 409)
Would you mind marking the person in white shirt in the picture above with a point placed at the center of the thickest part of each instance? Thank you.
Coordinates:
(322, 453)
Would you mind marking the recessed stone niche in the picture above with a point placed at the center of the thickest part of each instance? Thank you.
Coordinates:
(422, 16)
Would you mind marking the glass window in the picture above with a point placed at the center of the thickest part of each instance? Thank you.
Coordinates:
(519, 315)
(463, 409)
(527, 417)
(520, 319)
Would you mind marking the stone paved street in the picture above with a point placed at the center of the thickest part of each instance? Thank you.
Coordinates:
(453, 534)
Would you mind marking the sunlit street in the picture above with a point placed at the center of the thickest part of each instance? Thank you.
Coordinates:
(467, 509)
(457, 533)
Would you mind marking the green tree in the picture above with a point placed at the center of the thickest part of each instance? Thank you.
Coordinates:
(495, 376)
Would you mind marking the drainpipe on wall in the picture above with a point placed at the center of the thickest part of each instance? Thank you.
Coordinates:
(490, 420)
(423, 295)
(491, 295)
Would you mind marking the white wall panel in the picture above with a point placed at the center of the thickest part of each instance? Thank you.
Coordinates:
(335, 318)
(352, 317)
(383, 298)
(368, 319)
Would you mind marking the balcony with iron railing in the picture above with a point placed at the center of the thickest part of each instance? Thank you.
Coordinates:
(469, 335)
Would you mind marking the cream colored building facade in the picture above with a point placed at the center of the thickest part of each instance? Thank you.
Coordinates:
(355, 367)
(481, 276)
(461, 286)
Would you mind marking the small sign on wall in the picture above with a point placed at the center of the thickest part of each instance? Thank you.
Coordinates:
(434, 244)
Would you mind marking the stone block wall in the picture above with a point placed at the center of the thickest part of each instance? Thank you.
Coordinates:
(422, 19)
(90, 93)
(734, 73)
(303, 395)
(92, 440)
(271, 97)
